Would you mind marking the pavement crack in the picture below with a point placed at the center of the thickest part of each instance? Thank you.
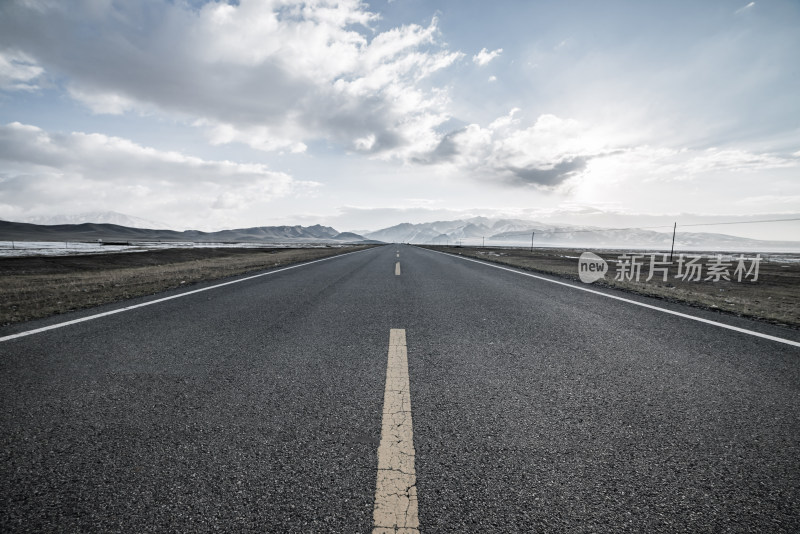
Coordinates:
(396, 487)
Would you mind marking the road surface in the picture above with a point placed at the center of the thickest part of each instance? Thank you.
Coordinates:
(534, 407)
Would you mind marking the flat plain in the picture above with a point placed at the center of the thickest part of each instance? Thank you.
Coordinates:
(34, 287)
(774, 297)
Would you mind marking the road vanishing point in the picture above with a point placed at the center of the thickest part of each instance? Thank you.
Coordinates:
(398, 389)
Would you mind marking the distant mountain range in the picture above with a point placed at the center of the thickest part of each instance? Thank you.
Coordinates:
(440, 232)
(97, 217)
(515, 232)
(17, 231)
(473, 231)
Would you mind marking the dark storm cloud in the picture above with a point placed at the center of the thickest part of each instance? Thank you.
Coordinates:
(547, 177)
(445, 151)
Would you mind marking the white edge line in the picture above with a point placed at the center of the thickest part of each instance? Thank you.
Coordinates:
(164, 299)
(642, 304)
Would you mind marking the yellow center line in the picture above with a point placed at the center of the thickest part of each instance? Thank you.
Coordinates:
(397, 268)
(396, 487)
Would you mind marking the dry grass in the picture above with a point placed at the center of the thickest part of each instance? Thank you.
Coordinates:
(36, 287)
(774, 297)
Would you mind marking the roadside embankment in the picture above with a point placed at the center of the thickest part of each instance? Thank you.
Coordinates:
(773, 297)
(40, 286)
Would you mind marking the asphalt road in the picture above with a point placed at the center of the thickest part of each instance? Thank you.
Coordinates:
(536, 408)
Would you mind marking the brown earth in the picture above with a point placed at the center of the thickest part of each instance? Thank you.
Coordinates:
(41, 286)
(774, 297)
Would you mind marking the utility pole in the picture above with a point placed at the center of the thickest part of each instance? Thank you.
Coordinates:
(672, 250)
(532, 234)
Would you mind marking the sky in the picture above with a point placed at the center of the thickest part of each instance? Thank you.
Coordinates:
(362, 115)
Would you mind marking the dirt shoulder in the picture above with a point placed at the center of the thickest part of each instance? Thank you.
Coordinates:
(41, 286)
(774, 297)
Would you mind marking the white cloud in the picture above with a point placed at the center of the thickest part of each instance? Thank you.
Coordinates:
(543, 155)
(555, 153)
(492, 78)
(257, 136)
(273, 74)
(484, 57)
(18, 71)
(100, 102)
(681, 165)
(566, 44)
(87, 172)
(745, 8)
(790, 201)
(734, 160)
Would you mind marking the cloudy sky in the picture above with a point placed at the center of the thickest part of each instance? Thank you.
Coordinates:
(361, 115)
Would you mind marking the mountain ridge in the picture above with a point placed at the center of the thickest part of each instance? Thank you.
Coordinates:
(517, 232)
(97, 217)
(21, 231)
(473, 231)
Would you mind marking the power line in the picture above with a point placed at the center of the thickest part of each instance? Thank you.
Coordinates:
(743, 222)
(666, 226)
(605, 229)
(525, 232)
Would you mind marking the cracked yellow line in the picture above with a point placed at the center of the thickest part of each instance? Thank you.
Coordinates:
(396, 487)
(397, 268)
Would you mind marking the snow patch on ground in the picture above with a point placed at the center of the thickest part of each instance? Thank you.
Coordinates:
(61, 248)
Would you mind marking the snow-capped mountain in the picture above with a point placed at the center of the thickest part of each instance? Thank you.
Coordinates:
(515, 232)
(476, 228)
